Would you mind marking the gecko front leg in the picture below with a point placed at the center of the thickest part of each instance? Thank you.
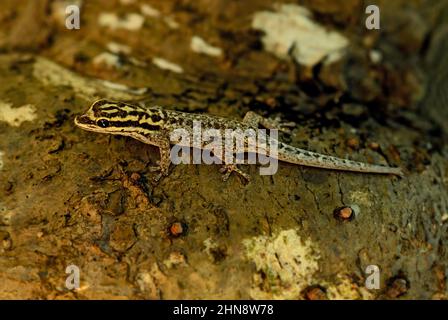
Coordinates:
(165, 160)
(163, 143)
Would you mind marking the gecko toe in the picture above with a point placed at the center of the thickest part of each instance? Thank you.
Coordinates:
(227, 170)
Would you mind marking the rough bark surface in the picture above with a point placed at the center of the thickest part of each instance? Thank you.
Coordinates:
(70, 197)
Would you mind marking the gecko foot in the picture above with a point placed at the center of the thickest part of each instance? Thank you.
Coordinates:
(277, 123)
(253, 119)
(227, 170)
(162, 172)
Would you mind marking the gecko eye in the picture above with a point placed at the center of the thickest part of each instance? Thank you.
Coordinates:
(103, 123)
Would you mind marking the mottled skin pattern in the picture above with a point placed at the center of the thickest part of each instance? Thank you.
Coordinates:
(154, 125)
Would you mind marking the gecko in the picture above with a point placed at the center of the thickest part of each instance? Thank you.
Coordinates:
(153, 125)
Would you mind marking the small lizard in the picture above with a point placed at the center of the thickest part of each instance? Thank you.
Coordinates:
(153, 126)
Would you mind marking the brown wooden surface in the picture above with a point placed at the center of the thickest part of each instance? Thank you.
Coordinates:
(72, 197)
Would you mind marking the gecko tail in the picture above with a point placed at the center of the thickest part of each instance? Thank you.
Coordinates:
(312, 159)
(397, 171)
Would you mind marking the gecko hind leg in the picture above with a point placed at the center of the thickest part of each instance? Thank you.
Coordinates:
(254, 120)
(227, 170)
(229, 167)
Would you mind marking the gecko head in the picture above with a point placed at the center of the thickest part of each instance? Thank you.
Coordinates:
(104, 116)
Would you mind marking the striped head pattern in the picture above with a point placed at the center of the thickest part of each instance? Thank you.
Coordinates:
(120, 118)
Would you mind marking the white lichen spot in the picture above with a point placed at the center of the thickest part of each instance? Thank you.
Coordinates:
(108, 59)
(15, 116)
(375, 56)
(175, 259)
(209, 246)
(167, 65)
(123, 88)
(356, 210)
(149, 11)
(131, 21)
(118, 48)
(6, 216)
(122, 49)
(445, 217)
(50, 73)
(146, 283)
(287, 262)
(170, 22)
(360, 198)
(345, 288)
(151, 281)
(199, 45)
(115, 57)
(291, 31)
